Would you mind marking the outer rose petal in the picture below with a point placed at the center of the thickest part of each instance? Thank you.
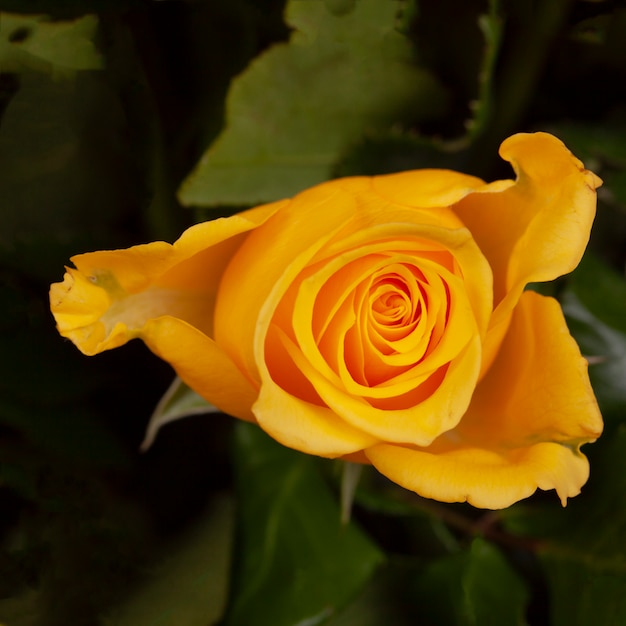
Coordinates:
(304, 426)
(528, 418)
(163, 294)
(486, 479)
(427, 188)
(538, 388)
(201, 364)
(535, 230)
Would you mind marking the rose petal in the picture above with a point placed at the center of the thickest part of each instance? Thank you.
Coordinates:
(485, 478)
(526, 422)
(329, 355)
(201, 364)
(534, 230)
(538, 388)
(438, 233)
(416, 417)
(298, 421)
(111, 294)
(426, 188)
(310, 428)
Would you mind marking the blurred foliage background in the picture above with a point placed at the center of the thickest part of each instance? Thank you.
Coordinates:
(124, 121)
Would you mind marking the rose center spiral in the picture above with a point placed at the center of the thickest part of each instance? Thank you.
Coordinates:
(391, 304)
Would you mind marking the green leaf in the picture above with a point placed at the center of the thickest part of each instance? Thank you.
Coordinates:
(583, 595)
(296, 563)
(188, 585)
(394, 151)
(583, 547)
(476, 587)
(33, 42)
(177, 402)
(299, 105)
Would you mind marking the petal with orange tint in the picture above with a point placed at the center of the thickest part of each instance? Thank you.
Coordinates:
(524, 427)
(424, 235)
(536, 229)
(329, 356)
(306, 427)
(489, 479)
(426, 188)
(538, 388)
(300, 421)
(201, 364)
(416, 417)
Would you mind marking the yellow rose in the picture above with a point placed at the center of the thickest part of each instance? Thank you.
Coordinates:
(380, 319)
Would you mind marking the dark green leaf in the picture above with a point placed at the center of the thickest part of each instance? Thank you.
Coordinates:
(299, 105)
(394, 151)
(295, 561)
(476, 587)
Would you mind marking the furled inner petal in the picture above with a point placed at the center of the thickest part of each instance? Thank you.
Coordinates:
(381, 325)
(417, 417)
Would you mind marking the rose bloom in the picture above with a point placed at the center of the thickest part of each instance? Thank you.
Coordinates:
(380, 319)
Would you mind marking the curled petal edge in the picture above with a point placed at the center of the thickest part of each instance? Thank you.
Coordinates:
(487, 479)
